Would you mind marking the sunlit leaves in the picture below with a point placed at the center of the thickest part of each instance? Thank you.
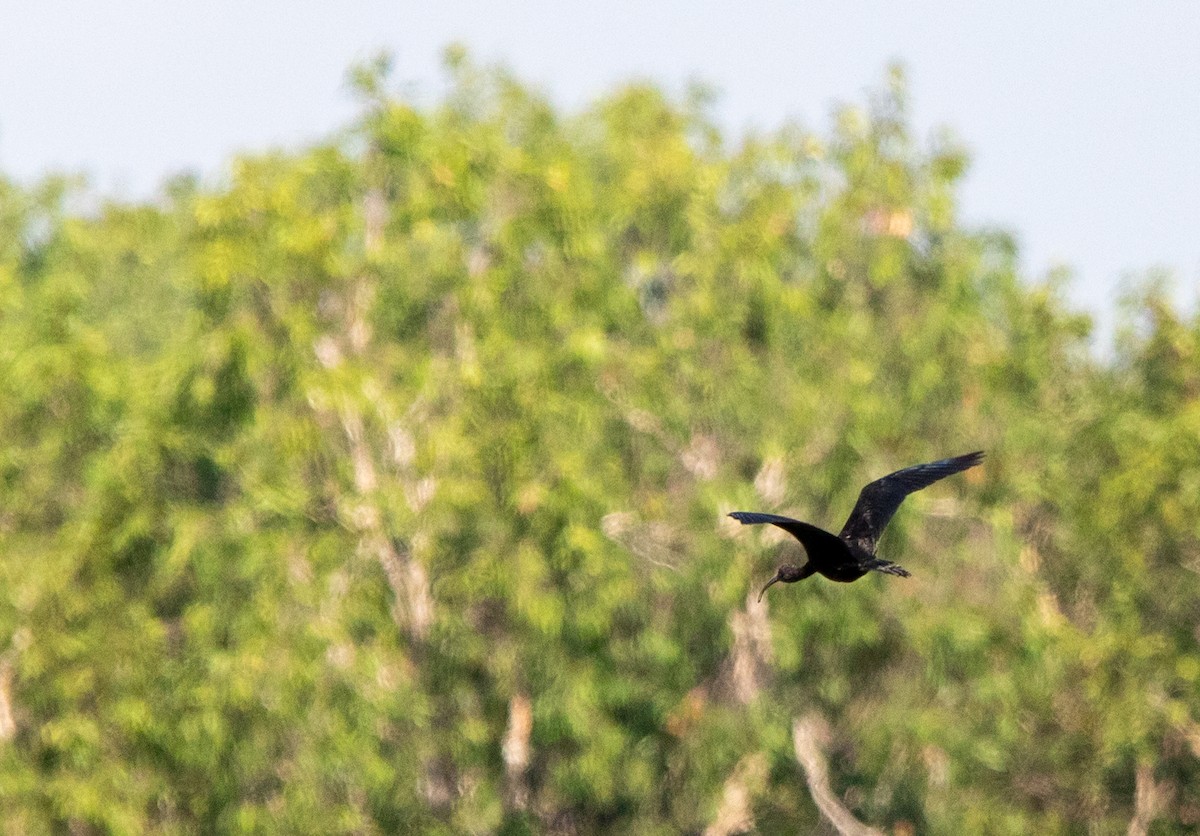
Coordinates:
(538, 355)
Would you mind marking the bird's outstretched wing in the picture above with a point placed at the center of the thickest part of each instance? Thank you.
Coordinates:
(812, 538)
(879, 500)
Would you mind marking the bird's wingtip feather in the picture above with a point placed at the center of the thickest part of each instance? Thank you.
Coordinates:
(971, 459)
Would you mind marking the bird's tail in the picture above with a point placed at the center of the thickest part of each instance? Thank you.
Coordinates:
(888, 568)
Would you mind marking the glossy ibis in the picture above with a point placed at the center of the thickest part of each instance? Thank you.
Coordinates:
(851, 554)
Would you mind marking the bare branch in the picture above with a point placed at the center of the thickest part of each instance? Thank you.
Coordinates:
(748, 666)
(808, 735)
(516, 750)
(8, 726)
(735, 814)
(1147, 801)
(413, 601)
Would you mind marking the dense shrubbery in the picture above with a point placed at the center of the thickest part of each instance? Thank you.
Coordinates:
(382, 488)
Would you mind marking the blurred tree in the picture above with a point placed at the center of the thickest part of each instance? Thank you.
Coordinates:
(382, 486)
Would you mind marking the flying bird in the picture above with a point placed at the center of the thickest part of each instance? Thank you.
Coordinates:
(848, 556)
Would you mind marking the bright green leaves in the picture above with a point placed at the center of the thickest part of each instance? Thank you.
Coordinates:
(381, 487)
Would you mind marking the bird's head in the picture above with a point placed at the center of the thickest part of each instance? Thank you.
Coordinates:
(789, 573)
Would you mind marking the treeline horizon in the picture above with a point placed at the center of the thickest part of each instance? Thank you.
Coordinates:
(381, 486)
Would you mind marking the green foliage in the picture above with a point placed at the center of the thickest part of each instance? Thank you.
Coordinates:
(382, 488)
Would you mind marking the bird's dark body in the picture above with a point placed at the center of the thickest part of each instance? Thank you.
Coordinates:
(847, 556)
(849, 568)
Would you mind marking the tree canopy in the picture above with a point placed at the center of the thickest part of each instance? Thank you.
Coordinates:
(381, 487)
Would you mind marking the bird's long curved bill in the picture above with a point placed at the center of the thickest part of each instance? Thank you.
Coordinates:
(768, 586)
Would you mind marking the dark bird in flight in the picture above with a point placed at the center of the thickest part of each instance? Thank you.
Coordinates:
(851, 554)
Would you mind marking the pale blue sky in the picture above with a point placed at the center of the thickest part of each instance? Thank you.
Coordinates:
(1083, 118)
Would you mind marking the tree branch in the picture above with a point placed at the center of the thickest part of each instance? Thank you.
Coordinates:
(808, 733)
